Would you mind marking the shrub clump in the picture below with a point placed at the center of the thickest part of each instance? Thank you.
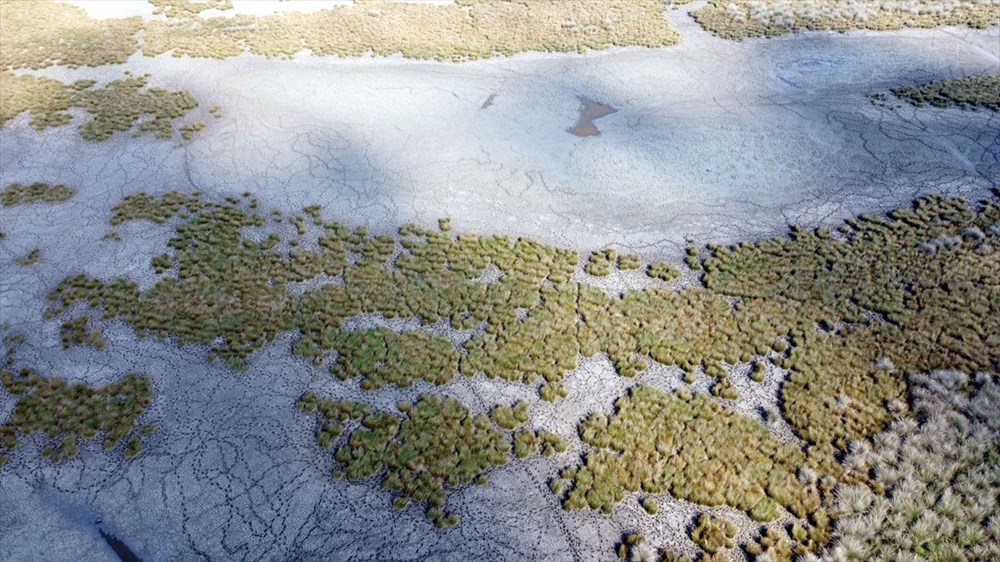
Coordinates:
(23, 194)
(740, 19)
(713, 533)
(115, 107)
(974, 92)
(77, 332)
(663, 271)
(434, 447)
(67, 413)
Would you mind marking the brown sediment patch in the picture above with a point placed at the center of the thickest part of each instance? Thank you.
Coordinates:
(590, 111)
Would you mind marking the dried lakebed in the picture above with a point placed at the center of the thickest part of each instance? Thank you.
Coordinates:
(733, 147)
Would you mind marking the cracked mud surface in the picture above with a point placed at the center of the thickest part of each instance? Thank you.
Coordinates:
(712, 141)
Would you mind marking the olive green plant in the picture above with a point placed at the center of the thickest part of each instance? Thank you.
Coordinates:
(23, 194)
(115, 107)
(67, 413)
(740, 19)
(974, 92)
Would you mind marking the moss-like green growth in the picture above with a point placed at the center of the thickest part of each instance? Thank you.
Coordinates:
(382, 356)
(76, 332)
(772, 542)
(924, 272)
(663, 271)
(37, 34)
(846, 316)
(189, 130)
(967, 93)
(67, 412)
(528, 442)
(188, 8)
(23, 194)
(117, 106)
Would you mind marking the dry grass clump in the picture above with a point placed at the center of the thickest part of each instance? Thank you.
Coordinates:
(66, 413)
(188, 8)
(713, 534)
(188, 131)
(939, 477)
(663, 271)
(37, 34)
(23, 194)
(30, 259)
(528, 442)
(510, 417)
(434, 447)
(115, 107)
(600, 263)
(76, 332)
(471, 29)
(693, 448)
(967, 93)
(739, 19)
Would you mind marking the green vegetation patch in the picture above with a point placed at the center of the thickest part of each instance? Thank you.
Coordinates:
(78, 332)
(23, 194)
(692, 447)
(67, 413)
(976, 92)
(740, 19)
(382, 356)
(436, 446)
(117, 106)
(37, 34)
(663, 271)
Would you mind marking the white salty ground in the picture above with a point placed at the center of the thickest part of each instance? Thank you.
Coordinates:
(713, 141)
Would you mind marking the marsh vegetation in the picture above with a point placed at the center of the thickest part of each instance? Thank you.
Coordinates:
(740, 19)
(68, 414)
(843, 316)
(23, 194)
(116, 107)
